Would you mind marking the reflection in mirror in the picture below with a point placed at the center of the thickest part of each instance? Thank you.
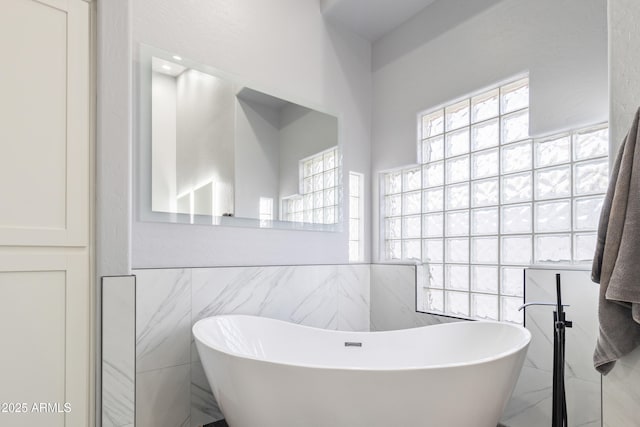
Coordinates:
(219, 152)
(192, 127)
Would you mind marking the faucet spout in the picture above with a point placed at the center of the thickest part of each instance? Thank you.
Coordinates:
(540, 303)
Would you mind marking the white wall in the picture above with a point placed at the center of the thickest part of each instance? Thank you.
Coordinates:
(281, 47)
(621, 402)
(562, 44)
(624, 45)
(113, 138)
(112, 153)
(163, 151)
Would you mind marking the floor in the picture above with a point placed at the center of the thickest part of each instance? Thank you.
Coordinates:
(223, 423)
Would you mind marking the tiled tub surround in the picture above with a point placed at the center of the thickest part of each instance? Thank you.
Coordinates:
(393, 298)
(621, 398)
(118, 351)
(531, 402)
(171, 389)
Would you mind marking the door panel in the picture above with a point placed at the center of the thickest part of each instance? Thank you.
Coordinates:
(44, 122)
(32, 326)
(45, 303)
(46, 298)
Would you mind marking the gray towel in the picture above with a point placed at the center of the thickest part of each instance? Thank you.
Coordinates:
(616, 264)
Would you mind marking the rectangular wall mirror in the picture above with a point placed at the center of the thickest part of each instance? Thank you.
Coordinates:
(211, 150)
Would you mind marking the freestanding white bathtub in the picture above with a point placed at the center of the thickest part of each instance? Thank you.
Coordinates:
(270, 373)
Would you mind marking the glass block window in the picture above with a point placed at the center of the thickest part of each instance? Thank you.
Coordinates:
(356, 191)
(292, 208)
(487, 201)
(319, 190)
(266, 209)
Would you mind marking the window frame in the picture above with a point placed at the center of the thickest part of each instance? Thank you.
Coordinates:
(500, 236)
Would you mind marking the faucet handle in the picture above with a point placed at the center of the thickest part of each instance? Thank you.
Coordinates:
(540, 303)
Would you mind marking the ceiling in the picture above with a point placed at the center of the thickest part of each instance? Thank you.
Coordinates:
(169, 68)
(371, 19)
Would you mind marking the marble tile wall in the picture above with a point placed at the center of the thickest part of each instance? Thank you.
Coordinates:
(163, 355)
(621, 394)
(393, 298)
(531, 402)
(171, 387)
(118, 351)
(393, 307)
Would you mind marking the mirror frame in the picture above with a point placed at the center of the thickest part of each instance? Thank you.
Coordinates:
(142, 145)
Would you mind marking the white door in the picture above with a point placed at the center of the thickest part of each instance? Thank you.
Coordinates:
(45, 214)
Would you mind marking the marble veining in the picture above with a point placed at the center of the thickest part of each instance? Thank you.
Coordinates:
(118, 404)
(330, 297)
(118, 351)
(317, 300)
(621, 397)
(532, 399)
(393, 299)
(163, 318)
(354, 297)
(204, 408)
(163, 397)
(305, 294)
(232, 290)
(170, 301)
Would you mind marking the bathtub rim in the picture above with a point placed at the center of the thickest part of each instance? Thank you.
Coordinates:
(475, 362)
